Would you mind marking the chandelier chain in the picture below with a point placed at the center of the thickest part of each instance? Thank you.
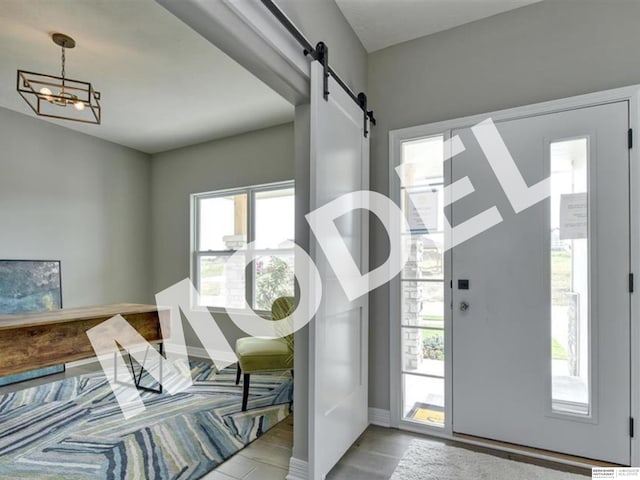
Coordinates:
(63, 62)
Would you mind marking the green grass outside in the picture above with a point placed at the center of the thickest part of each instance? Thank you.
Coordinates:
(432, 321)
(211, 268)
(560, 277)
(431, 333)
(558, 352)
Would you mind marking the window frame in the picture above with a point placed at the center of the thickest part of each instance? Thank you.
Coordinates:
(195, 253)
(402, 196)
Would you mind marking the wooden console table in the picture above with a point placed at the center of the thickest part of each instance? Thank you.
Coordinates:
(29, 341)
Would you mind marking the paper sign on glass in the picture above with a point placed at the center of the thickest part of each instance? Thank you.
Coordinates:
(573, 216)
(423, 217)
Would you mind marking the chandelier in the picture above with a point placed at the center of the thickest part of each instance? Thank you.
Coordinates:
(60, 97)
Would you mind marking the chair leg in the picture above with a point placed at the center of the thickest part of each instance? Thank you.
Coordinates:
(245, 392)
(238, 372)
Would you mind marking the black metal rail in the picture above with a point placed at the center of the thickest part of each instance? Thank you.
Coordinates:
(321, 53)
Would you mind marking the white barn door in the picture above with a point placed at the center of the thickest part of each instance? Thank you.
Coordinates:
(338, 336)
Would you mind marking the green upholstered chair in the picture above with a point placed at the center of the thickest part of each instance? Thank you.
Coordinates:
(265, 354)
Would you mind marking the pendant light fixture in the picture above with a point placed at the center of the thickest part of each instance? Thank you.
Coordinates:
(60, 97)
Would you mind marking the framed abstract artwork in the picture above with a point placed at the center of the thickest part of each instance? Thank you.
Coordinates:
(30, 286)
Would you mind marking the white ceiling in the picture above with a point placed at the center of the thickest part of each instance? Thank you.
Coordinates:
(163, 86)
(382, 23)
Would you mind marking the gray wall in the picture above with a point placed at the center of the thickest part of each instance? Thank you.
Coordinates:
(71, 197)
(262, 156)
(545, 51)
(119, 219)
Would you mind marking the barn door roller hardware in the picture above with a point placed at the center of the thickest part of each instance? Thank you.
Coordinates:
(321, 54)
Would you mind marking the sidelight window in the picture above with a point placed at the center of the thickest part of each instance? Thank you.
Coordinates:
(569, 255)
(422, 293)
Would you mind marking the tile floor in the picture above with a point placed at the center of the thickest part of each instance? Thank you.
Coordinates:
(373, 457)
(265, 459)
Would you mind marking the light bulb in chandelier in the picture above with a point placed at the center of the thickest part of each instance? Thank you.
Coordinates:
(78, 105)
(46, 94)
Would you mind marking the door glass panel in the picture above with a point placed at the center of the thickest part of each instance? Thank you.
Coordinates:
(423, 351)
(422, 204)
(426, 257)
(422, 282)
(422, 161)
(423, 399)
(569, 245)
(422, 304)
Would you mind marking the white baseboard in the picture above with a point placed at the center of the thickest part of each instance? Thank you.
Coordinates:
(298, 469)
(380, 417)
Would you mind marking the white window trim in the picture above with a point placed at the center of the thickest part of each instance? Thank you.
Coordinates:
(194, 253)
(396, 139)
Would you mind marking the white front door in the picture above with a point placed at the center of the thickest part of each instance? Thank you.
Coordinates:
(338, 335)
(541, 302)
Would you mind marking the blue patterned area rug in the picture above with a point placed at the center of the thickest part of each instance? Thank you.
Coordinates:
(73, 429)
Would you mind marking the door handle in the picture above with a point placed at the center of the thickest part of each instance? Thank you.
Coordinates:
(464, 306)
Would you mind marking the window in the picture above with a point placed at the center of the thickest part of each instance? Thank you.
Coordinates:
(225, 223)
(422, 282)
(569, 277)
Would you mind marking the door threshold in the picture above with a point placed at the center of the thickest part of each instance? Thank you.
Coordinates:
(535, 456)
